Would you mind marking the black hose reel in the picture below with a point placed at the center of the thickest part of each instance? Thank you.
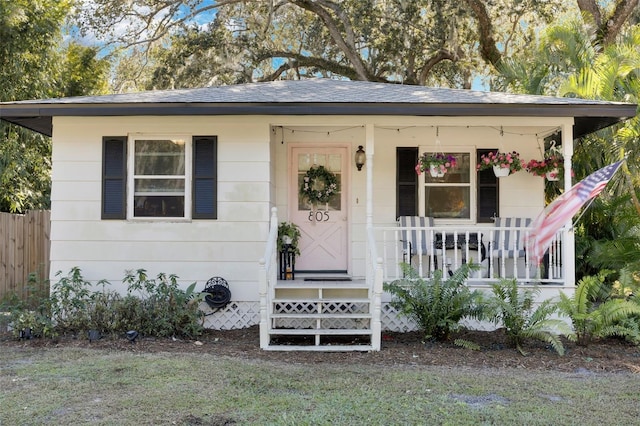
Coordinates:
(218, 294)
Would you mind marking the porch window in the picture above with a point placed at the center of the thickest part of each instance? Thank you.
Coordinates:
(449, 196)
(168, 177)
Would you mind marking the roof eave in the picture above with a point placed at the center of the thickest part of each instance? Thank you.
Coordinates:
(589, 117)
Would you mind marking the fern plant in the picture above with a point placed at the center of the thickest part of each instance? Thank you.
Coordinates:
(594, 317)
(436, 305)
(514, 309)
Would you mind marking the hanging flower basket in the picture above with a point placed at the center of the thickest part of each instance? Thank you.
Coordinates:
(551, 166)
(553, 175)
(502, 163)
(501, 171)
(437, 163)
(319, 185)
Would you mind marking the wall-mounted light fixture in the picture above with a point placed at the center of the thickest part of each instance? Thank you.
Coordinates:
(360, 157)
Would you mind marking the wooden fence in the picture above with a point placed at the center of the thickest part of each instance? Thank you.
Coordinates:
(24, 249)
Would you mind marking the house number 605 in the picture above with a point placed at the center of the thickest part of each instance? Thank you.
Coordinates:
(319, 216)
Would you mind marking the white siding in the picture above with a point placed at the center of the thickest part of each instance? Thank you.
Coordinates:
(252, 174)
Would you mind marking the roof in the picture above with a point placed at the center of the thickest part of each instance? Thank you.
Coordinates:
(318, 97)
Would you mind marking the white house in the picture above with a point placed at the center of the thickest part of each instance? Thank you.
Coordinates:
(193, 182)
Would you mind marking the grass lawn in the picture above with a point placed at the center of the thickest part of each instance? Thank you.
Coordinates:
(97, 386)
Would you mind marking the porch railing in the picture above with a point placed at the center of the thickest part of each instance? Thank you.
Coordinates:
(267, 277)
(499, 251)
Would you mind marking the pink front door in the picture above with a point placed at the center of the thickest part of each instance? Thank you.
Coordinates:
(323, 245)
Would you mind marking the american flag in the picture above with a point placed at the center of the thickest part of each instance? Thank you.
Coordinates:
(563, 208)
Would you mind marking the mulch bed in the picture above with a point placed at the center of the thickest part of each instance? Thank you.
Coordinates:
(398, 349)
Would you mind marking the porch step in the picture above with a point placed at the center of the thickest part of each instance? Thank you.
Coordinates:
(342, 285)
(313, 311)
(316, 315)
(322, 348)
(337, 300)
(323, 332)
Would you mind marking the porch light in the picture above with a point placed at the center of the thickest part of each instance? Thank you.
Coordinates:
(360, 157)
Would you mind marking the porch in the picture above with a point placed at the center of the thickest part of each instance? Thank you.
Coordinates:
(350, 315)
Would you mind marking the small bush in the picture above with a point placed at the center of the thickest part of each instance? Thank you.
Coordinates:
(163, 308)
(513, 308)
(153, 307)
(596, 313)
(436, 305)
(29, 312)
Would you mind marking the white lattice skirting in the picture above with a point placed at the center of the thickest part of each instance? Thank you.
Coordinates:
(237, 315)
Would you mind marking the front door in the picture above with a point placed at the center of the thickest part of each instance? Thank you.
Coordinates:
(323, 245)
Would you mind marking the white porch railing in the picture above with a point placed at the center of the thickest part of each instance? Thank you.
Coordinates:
(499, 251)
(267, 277)
(375, 273)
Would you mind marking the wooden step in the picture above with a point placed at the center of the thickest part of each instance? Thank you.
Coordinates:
(321, 348)
(316, 315)
(331, 300)
(343, 285)
(319, 331)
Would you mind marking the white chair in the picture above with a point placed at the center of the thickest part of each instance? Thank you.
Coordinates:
(510, 244)
(417, 241)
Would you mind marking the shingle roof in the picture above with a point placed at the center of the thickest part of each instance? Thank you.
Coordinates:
(318, 97)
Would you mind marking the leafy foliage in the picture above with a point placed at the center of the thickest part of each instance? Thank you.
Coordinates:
(34, 63)
(160, 307)
(513, 308)
(436, 305)
(32, 312)
(423, 42)
(595, 314)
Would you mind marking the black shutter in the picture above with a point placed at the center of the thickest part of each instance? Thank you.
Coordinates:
(406, 182)
(488, 190)
(205, 193)
(114, 177)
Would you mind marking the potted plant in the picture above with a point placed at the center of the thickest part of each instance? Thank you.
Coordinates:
(502, 163)
(437, 163)
(289, 233)
(551, 166)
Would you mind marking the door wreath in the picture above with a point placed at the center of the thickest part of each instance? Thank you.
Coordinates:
(319, 185)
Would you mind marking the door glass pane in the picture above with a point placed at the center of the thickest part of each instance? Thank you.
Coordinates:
(333, 163)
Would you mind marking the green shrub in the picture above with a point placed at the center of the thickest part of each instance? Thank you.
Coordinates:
(596, 316)
(159, 308)
(163, 309)
(513, 308)
(31, 310)
(69, 302)
(436, 305)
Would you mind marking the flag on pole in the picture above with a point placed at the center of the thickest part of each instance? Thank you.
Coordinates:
(563, 208)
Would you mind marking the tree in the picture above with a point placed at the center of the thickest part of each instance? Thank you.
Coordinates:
(29, 32)
(33, 64)
(410, 41)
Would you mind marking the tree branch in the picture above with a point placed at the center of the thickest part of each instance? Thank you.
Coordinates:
(610, 29)
(313, 61)
(318, 7)
(441, 55)
(488, 49)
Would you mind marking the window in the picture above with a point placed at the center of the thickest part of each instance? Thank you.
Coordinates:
(159, 177)
(169, 177)
(449, 196)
